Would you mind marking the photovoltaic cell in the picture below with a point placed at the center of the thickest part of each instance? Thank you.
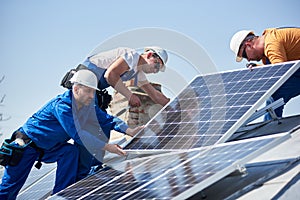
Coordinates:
(176, 175)
(211, 108)
(39, 183)
(206, 112)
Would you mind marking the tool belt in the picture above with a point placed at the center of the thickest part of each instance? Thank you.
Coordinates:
(12, 153)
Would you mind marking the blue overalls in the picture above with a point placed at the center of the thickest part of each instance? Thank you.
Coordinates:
(14, 177)
(89, 153)
(45, 129)
(50, 129)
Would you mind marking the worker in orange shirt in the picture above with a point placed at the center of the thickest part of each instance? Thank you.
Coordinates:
(275, 45)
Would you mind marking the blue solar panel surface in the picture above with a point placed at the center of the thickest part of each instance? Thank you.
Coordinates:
(39, 183)
(210, 109)
(175, 175)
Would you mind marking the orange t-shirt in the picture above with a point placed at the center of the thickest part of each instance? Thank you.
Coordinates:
(282, 44)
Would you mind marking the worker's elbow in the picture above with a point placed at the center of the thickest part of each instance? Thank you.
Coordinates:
(106, 75)
(109, 77)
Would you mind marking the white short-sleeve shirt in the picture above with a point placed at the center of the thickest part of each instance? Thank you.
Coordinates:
(105, 59)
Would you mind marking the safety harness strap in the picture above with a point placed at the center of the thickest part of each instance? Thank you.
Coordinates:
(41, 152)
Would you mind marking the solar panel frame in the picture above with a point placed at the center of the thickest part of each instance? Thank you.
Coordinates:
(205, 163)
(234, 115)
(249, 113)
(229, 123)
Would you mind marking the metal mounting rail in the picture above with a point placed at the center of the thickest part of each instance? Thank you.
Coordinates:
(267, 109)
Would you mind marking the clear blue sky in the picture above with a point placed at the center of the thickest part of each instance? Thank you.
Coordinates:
(41, 40)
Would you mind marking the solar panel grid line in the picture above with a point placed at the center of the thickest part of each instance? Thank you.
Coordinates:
(202, 158)
(35, 174)
(278, 138)
(81, 189)
(211, 106)
(174, 127)
(182, 134)
(188, 140)
(39, 182)
(115, 178)
(85, 186)
(228, 82)
(245, 92)
(183, 142)
(258, 86)
(97, 188)
(173, 137)
(140, 182)
(183, 171)
(157, 178)
(88, 195)
(278, 73)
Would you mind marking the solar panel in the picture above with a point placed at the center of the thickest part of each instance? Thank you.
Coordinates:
(210, 109)
(39, 183)
(176, 175)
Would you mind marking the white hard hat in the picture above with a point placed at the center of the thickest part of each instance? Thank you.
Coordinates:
(161, 53)
(85, 77)
(236, 42)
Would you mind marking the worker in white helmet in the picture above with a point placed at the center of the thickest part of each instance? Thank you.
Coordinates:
(45, 135)
(123, 64)
(275, 45)
(91, 148)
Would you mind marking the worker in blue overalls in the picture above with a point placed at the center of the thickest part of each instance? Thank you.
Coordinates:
(46, 137)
